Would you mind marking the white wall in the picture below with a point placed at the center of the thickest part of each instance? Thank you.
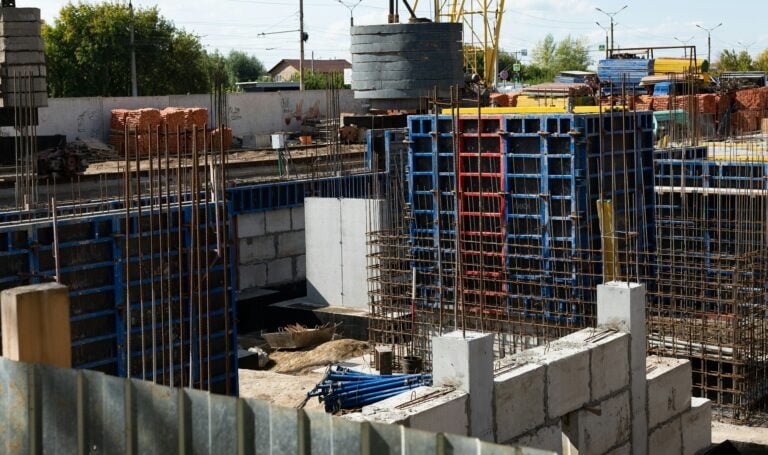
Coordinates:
(252, 116)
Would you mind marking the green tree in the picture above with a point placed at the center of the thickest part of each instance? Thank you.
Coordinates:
(761, 61)
(549, 57)
(321, 81)
(88, 54)
(730, 60)
(244, 67)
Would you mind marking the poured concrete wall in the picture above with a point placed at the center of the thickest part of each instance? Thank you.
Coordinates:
(337, 273)
(252, 116)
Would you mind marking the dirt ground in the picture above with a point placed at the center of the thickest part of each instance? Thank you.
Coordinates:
(289, 374)
(724, 431)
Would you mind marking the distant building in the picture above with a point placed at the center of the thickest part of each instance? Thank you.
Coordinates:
(286, 68)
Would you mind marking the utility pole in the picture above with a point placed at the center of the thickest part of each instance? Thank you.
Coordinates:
(611, 15)
(134, 89)
(709, 40)
(301, 45)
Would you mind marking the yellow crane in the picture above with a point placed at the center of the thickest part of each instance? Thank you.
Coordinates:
(482, 28)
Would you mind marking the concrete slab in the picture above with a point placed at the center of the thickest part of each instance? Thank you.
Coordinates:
(669, 388)
(354, 321)
(697, 426)
(666, 439)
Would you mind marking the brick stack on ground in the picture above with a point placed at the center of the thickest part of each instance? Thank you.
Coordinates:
(183, 128)
(22, 62)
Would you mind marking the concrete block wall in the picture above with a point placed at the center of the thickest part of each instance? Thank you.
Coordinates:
(271, 250)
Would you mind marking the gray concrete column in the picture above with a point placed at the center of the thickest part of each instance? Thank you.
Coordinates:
(621, 306)
(465, 361)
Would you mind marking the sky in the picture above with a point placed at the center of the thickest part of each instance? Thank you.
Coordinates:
(238, 24)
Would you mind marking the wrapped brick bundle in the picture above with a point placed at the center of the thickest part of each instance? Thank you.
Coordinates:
(499, 100)
(216, 137)
(755, 99)
(661, 103)
(644, 103)
(196, 116)
(512, 100)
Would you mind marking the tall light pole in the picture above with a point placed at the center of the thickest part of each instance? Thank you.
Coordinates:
(685, 43)
(301, 45)
(611, 15)
(134, 88)
(746, 46)
(709, 40)
(605, 29)
(351, 7)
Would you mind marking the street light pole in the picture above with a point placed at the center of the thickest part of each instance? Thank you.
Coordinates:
(709, 39)
(134, 87)
(301, 45)
(351, 8)
(611, 15)
(684, 43)
(606, 38)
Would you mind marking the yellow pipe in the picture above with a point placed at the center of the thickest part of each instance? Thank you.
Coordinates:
(528, 110)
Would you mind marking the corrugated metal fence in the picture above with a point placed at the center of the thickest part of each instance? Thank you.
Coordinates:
(51, 410)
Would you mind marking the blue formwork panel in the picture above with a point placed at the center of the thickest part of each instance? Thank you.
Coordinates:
(92, 255)
(431, 183)
(558, 166)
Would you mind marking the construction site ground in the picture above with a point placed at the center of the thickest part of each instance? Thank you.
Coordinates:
(290, 374)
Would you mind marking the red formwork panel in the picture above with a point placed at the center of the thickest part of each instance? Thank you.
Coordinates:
(481, 209)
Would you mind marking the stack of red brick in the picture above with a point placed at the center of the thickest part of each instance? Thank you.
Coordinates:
(751, 107)
(180, 128)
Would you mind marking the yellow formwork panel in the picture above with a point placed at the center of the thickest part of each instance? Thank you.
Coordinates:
(528, 110)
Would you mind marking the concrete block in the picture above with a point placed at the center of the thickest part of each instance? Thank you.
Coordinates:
(290, 243)
(545, 438)
(666, 439)
(465, 361)
(297, 218)
(250, 225)
(446, 413)
(626, 449)
(602, 426)
(256, 249)
(278, 220)
(19, 14)
(17, 29)
(22, 83)
(621, 306)
(609, 359)
(696, 426)
(280, 271)
(22, 58)
(23, 43)
(567, 380)
(669, 388)
(518, 400)
(300, 267)
(13, 70)
(35, 324)
(609, 367)
(252, 276)
(39, 99)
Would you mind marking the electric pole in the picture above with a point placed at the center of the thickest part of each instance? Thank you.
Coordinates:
(709, 40)
(301, 45)
(611, 15)
(134, 89)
